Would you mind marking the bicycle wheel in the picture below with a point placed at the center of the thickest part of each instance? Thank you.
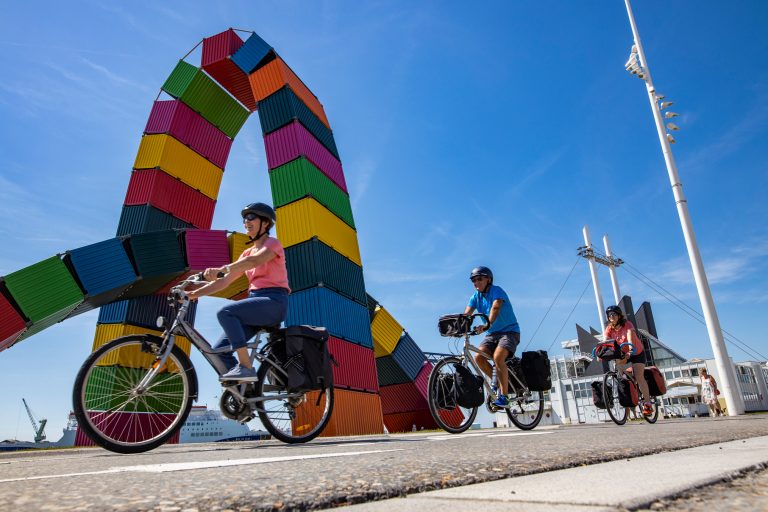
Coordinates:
(117, 414)
(616, 411)
(526, 411)
(297, 419)
(447, 414)
(651, 418)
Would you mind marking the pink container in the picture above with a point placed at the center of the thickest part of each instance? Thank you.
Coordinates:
(293, 141)
(191, 129)
(83, 440)
(166, 193)
(12, 324)
(217, 51)
(401, 398)
(422, 379)
(357, 366)
(206, 248)
(407, 421)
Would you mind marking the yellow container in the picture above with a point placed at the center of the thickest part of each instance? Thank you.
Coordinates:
(131, 357)
(176, 159)
(301, 220)
(237, 244)
(386, 332)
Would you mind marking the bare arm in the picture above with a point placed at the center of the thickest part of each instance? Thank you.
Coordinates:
(233, 271)
(492, 315)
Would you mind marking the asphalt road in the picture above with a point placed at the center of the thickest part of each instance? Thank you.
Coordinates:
(269, 475)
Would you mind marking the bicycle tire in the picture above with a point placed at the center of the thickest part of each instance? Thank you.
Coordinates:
(285, 420)
(616, 411)
(457, 419)
(526, 413)
(653, 417)
(113, 414)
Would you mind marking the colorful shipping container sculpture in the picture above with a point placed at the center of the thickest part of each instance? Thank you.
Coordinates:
(164, 234)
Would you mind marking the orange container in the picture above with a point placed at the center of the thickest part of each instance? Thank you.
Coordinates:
(408, 421)
(354, 413)
(238, 289)
(274, 76)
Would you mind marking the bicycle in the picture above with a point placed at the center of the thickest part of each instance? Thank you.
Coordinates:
(616, 411)
(525, 407)
(135, 392)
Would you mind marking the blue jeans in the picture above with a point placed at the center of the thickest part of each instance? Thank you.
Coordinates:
(262, 308)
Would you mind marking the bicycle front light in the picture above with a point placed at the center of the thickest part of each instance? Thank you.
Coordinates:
(160, 322)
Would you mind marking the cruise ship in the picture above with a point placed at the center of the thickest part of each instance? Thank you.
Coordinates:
(206, 426)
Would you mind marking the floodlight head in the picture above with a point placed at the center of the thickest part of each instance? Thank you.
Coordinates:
(670, 115)
(670, 138)
(673, 127)
(659, 97)
(666, 104)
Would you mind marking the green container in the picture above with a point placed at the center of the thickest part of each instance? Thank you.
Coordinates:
(157, 253)
(299, 178)
(206, 97)
(107, 388)
(44, 289)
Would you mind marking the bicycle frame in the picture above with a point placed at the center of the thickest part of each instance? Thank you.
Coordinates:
(467, 355)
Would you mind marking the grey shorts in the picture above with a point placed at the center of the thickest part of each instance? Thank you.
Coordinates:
(506, 340)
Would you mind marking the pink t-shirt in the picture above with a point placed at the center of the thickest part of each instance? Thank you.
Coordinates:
(620, 334)
(271, 274)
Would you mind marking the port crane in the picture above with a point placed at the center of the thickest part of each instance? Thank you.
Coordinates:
(39, 430)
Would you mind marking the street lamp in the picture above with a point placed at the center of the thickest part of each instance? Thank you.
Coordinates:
(638, 65)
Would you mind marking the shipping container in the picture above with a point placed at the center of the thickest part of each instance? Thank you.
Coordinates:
(386, 332)
(274, 75)
(44, 289)
(141, 311)
(217, 62)
(166, 153)
(157, 257)
(356, 366)
(389, 372)
(146, 218)
(81, 439)
(313, 263)
(170, 195)
(299, 179)
(252, 54)
(237, 243)
(304, 219)
(292, 141)
(401, 398)
(354, 414)
(409, 421)
(409, 356)
(131, 356)
(108, 386)
(284, 107)
(372, 304)
(205, 248)
(12, 324)
(44, 323)
(191, 129)
(192, 86)
(342, 317)
(129, 427)
(422, 379)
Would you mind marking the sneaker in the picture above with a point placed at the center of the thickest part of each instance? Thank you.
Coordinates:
(501, 401)
(240, 373)
(647, 409)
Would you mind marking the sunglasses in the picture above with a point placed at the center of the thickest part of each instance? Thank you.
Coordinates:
(477, 278)
(250, 216)
(613, 314)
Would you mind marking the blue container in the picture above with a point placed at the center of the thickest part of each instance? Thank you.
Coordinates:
(409, 356)
(344, 318)
(101, 268)
(141, 311)
(389, 372)
(253, 51)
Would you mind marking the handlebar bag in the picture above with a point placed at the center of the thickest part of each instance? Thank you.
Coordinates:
(657, 386)
(598, 398)
(469, 387)
(454, 325)
(608, 350)
(627, 392)
(308, 361)
(536, 370)
(445, 392)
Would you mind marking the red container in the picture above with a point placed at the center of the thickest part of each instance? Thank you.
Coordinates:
(409, 421)
(12, 324)
(83, 440)
(357, 366)
(191, 129)
(128, 426)
(166, 193)
(217, 51)
(401, 398)
(206, 248)
(422, 379)
(292, 141)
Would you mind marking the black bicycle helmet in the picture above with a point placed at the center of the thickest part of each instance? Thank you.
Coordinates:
(614, 309)
(481, 271)
(262, 210)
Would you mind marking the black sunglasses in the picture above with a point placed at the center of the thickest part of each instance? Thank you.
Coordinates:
(477, 278)
(250, 216)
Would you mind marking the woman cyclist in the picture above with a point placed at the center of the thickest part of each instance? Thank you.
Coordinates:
(267, 302)
(622, 330)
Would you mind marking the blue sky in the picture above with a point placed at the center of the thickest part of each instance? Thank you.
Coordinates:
(468, 136)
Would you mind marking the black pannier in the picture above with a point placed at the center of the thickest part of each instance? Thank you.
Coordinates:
(516, 365)
(307, 360)
(445, 391)
(598, 398)
(608, 350)
(469, 387)
(627, 392)
(454, 325)
(536, 370)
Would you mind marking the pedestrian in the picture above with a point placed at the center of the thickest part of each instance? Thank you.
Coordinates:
(709, 393)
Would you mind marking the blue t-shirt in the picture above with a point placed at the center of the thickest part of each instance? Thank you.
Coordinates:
(482, 302)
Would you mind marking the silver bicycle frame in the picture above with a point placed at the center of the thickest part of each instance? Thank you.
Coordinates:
(467, 356)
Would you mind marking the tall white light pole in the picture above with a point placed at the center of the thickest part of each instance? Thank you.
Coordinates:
(612, 270)
(595, 283)
(728, 383)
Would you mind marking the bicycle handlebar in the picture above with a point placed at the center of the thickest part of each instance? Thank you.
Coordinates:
(472, 332)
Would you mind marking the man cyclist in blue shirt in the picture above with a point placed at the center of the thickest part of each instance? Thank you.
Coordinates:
(503, 330)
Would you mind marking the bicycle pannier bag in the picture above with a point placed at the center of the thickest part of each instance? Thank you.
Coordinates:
(598, 398)
(445, 392)
(536, 370)
(627, 393)
(308, 362)
(469, 387)
(454, 325)
(657, 386)
(608, 350)
(516, 365)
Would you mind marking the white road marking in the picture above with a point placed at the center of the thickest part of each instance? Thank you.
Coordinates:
(186, 466)
(454, 436)
(521, 434)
